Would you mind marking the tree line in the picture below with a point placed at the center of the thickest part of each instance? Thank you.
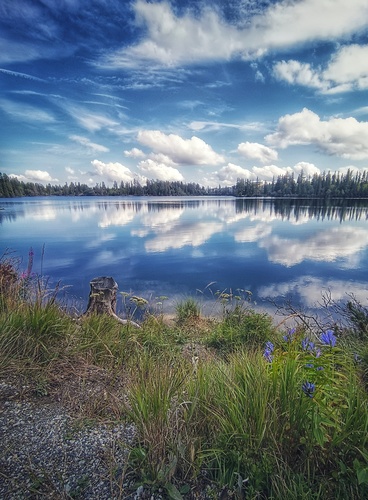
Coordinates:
(325, 185)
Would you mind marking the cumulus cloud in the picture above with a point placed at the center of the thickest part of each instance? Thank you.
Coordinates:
(160, 171)
(345, 137)
(174, 40)
(347, 70)
(35, 176)
(192, 151)
(295, 72)
(308, 169)
(229, 174)
(134, 153)
(268, 172)
(349, 66)
(257, 151)
(92, 146)
(113, 171)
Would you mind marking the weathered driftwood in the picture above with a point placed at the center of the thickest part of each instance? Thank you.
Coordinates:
(102, 299)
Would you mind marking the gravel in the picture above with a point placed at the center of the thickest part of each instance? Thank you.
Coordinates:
(48, 453)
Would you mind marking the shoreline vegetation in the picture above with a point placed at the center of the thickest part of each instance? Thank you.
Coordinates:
(326, 185)
(232, 407)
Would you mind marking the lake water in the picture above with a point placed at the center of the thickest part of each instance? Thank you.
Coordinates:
(176, 247)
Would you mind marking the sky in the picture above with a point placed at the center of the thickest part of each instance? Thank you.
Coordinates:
(205, 91)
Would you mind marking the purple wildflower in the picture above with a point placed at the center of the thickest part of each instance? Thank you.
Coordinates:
(289, 335)
(267, 354)
(309, 388)
(307, 345)
(328, 338)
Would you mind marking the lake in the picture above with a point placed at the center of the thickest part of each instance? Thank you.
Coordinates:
(180, 247)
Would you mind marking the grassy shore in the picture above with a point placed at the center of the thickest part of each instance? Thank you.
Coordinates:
(232, 406)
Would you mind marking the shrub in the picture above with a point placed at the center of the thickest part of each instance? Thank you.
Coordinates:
(241, 328)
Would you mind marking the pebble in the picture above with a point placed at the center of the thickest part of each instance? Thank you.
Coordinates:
(46, 453)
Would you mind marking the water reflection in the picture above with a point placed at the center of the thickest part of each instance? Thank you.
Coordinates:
(271, 247)
(306, 209)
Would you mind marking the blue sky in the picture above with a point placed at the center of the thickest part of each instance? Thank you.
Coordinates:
(192, 90)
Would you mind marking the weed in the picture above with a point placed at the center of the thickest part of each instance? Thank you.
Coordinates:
(187, 310)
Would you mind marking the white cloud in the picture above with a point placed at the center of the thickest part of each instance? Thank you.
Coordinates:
(21, 75)
(229, 174)
(308, 169)
(161, 158)
(134, 153)
(192, 151)
(91, 121)
(347, 70)
(295, 72)
(25, 112)
(92, 146)
(349, 66)
(113, 171)
(210, 126)
(352, 168)
(268, 172)
(160, 171)
(257, 151)
(345, 137)
(172, 40)
(35, 176)
(287, 23)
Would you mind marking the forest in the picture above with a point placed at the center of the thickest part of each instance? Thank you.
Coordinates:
(324, 185)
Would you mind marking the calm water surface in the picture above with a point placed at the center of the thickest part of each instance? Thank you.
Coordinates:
(177, 246)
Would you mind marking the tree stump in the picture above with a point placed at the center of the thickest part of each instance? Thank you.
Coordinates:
(102, 299)
(102, 296)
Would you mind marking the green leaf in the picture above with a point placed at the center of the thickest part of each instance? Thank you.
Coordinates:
(173, 492)
(362, 476)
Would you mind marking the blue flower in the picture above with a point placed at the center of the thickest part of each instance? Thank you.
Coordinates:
(289, 336)
(309, 365)
(267, 354)
(270, 346)
(328, 338)
(319, 368)
(309, 389)
(307, 345)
